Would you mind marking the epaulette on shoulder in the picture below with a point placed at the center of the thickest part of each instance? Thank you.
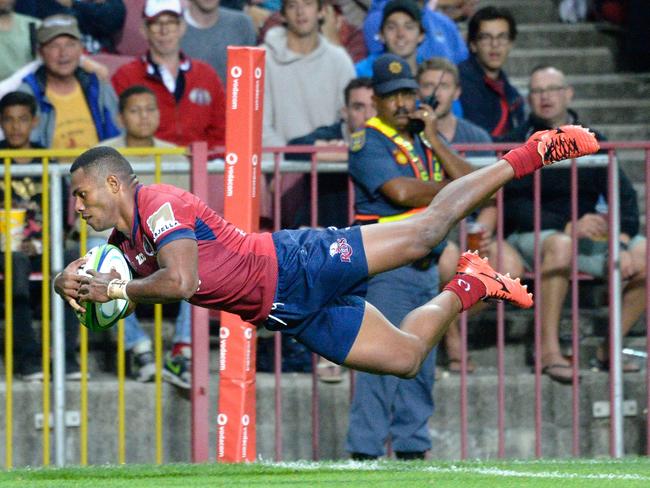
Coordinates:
(357, 140)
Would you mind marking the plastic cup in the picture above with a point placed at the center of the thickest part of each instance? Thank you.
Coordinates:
(474, 236)
(16, 226)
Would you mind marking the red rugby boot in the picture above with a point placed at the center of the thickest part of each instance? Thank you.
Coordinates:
(549, 146)
(565, 142)
(498, 286)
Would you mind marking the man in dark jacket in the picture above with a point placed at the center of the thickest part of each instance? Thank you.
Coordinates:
(487, 97)
(549, 99)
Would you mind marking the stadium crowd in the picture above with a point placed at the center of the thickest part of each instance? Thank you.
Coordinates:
(151, 73)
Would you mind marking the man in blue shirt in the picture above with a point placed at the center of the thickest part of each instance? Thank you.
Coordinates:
(397, 170)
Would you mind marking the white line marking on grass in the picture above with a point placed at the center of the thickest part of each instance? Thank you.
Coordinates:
(489, 471)
(536, 474)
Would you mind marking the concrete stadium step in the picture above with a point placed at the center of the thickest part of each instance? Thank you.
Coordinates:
(591, 60)
(334, 410)
(528, 11)
(556, 35)
(599, 86)
(613, 111)
(557, 420)
(625, 132)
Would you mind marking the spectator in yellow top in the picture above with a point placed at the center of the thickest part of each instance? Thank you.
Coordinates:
(76, 108)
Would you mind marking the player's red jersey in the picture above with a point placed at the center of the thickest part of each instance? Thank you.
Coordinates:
(238, 271)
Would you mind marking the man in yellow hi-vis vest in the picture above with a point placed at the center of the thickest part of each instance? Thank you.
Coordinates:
(399, 162)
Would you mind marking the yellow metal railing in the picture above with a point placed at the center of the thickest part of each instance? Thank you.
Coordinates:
(9, 322)
(45, 299)
(46, 156)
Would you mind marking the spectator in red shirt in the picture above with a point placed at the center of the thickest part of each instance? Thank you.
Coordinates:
(189, 92)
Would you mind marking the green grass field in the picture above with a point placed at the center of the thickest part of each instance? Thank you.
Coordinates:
(627, 473)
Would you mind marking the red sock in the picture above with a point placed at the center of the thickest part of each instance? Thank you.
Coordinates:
(467, 288)
(524, 159)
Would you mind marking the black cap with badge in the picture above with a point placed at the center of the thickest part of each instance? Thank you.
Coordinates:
(391, 73)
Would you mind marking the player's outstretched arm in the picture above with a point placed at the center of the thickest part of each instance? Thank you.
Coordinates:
(177, 279)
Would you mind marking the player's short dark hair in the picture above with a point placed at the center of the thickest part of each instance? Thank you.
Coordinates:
(490, 13)
(131, 91)
(361, 82)
(14, 98)
(438, 64)
(103, 160)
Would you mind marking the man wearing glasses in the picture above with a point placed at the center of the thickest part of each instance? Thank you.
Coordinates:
(190, 94)
(487, 97)
(549, 97)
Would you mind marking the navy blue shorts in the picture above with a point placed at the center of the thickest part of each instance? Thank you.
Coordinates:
(321, 288)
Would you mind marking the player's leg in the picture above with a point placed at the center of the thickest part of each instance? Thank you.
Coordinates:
(382, 348)
(391, 245)
(395, 244)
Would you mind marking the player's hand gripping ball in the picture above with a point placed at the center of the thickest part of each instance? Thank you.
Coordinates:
(102, 316)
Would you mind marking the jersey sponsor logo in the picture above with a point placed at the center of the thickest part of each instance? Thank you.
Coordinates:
(342, 248)
(141, 258)
(162, 220)
(200, 96)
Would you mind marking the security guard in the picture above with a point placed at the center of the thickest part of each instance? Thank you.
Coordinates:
(398, 163)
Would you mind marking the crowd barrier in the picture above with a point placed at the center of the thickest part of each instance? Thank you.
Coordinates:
(275, 168)
(606, 158)
(52, 324)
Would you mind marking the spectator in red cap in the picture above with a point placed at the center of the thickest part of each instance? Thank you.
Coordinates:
(190, 94)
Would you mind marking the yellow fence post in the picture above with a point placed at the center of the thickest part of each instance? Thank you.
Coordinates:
(9, 326)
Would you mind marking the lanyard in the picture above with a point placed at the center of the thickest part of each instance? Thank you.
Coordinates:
(407, 148)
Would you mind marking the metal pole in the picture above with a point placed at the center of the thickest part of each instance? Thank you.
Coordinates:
(647, 299)
(200, 392)
(615, 332)
(537, 219)
(463, 361)
(58, 332)
(277, 339)
(501, 338)
(575, 313)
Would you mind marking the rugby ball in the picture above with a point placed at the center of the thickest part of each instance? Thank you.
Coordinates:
(102, 316)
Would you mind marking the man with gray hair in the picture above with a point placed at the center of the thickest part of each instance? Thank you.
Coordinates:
(550, 96)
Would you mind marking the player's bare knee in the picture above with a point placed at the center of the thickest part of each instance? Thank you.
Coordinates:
(427, 230)
(439, 221)
(410, 361)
